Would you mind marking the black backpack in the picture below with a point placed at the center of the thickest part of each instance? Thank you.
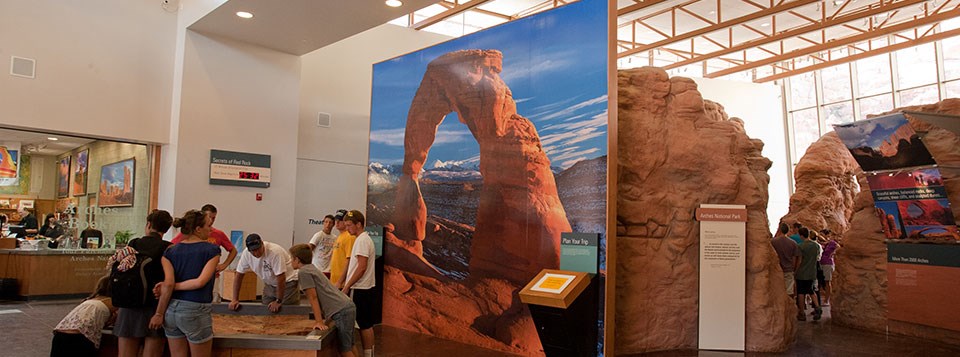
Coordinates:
(130, 289)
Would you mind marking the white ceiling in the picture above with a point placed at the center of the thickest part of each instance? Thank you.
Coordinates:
(39, 144)
(299, 27)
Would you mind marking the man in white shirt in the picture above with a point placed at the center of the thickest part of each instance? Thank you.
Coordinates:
(272, 264)
(360, 278)
(322, 245)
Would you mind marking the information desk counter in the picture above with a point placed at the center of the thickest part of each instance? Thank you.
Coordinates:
(54, 273)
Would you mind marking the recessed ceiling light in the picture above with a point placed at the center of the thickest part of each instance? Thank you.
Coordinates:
(712, 12)
(394, 3)
(765, 24)
(244, 15)
(52, 138)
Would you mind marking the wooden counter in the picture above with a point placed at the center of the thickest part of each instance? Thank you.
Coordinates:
(54, 273)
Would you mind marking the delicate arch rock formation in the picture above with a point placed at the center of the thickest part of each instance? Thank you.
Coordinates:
(520, 216)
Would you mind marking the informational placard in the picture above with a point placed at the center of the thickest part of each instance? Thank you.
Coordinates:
(239, 169)
(722, 277)
(918, 276)
(578, 252)
(376, 235)
(913, 204)
(553, 283)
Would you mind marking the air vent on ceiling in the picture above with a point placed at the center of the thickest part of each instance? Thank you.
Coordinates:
(23, 67)
(323, 120)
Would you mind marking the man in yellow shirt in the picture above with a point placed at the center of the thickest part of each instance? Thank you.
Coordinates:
(340, 259)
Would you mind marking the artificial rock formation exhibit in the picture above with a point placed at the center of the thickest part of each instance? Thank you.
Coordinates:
(860, 280)
(677, 151)
(825, 186)
(519, 194)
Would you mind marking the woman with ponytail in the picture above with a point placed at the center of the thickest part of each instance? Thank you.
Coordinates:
(187, 289)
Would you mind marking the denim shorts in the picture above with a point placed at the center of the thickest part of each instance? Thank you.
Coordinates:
(344, 320)
(188, 319)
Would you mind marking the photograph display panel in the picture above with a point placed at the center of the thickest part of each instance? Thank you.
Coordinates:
(483, 151)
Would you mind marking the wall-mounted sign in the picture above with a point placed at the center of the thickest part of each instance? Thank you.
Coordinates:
(578, 252)
(239, 169)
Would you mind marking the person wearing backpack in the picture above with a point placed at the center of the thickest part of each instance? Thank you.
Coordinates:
(132, 326)
(187, 288)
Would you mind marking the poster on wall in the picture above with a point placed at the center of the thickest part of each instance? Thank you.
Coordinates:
(116, 184)
(80, 173)
(63, 176)
(884, 143)
(913, 204)
(483, 151)
(9, 163)
(917, 277)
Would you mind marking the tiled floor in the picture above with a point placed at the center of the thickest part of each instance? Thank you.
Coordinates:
(26, 332)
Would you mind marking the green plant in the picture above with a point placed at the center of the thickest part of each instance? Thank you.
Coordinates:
(122, 237)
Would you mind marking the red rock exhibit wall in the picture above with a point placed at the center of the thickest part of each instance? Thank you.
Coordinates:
(676, 151)
(860, 280)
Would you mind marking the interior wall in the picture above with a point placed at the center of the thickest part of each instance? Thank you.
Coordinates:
(237, 97)
(337, 80)
(760, 107)
(91, 78)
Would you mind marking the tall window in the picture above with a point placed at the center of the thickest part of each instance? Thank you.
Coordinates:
(922, 74)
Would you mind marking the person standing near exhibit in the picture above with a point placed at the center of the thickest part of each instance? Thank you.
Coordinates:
(322, 245)
(789, 254)
(807, 275)
(219, 238)
(132, 327)
(361, 278)
(795, 233)
(272, 264)
(827, 264)
(187, 288)
(340, 258)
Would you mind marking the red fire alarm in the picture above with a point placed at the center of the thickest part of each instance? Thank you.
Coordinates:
(259, 197)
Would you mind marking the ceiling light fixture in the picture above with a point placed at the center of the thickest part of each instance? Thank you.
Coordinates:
(765, 24)
(394, 3)
(52, 138)
(244, 15)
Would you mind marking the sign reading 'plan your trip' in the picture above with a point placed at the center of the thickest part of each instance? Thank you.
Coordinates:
(239, 169)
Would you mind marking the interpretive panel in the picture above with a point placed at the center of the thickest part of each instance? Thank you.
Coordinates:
(722, 277)
(578, 252)
(913, 204)
(917, 275)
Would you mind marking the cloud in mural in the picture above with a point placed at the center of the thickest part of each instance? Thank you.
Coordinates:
(394, 137)
(571, 109)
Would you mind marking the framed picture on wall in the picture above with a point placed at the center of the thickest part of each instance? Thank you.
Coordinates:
(63, 176)
(116, 184)
(80, 173)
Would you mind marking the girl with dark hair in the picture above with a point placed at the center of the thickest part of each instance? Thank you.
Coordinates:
(78, 334)
(187, 288)
(132, 327)
(52, 229)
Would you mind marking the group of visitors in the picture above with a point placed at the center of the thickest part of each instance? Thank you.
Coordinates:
(807, 259)
(336, 272)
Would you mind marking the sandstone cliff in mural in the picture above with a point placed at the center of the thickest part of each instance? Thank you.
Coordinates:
(825, 186)
(676, 151)
(860, 280)
(520, 216)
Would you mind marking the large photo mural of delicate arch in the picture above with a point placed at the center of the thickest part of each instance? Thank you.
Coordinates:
(483, 151)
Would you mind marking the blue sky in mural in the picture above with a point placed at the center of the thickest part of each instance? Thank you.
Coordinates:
(553, 65)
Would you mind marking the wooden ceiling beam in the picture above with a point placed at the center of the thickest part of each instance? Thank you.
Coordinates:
(449, 12)
(720, 26)
(800, 31)
(932, 19)
(858, 56)
(638, 6)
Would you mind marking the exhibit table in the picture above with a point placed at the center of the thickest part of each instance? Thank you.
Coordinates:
(274, 337)
(54, 273)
